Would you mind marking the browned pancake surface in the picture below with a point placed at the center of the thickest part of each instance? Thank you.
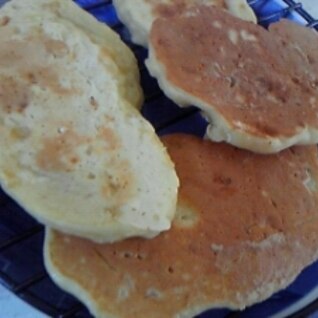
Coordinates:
(246, 225)
(242, 71)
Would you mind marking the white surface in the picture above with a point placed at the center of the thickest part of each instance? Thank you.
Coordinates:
(311, 6)
(12, 307)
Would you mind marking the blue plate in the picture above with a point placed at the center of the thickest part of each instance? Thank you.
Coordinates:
(21, 237)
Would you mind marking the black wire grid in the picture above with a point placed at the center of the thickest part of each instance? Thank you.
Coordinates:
(21, 237)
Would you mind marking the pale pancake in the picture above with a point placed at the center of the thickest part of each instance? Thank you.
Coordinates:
(138, 15)
(259, 92)
(109, 42)
(74, 153)
(246, 225)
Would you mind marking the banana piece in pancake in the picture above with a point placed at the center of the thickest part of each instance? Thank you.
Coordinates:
(101, 35)
(257, 88)
(74, 153)
(246, 225)
(138, 15)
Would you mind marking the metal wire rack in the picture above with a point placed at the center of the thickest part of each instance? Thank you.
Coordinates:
(21, 237)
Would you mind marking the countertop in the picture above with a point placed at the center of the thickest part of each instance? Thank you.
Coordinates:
(311, 6)
(12, 307)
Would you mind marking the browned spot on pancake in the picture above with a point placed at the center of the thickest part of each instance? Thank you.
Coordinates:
(4, 20)
(20, 133)
(9, 55)
(29, 58)
(10, 177)
(228, 247)
(109, 118)
(55, 47)
(31, 78)
(261, 83)
(109, 137)
(59, 153)
(14, 95)
(242, 6)
(74, 160)
(119, 185)
(48, 78)
(113, 212)
(105, 53)
(52, 7)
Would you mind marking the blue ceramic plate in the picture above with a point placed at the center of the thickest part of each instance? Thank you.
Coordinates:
(21, 237)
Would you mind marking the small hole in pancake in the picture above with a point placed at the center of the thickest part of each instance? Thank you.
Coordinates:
(274, 204)
(93, 102)
(223, 180)
(91, 176)
(185, 217)
(232, 81)
(296, 80)
(170, 270)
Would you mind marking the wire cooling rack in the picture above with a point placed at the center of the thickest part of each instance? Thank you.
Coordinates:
(21, 237)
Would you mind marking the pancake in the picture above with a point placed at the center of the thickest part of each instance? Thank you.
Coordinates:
(257, 88)
(246, 225)
(109, 42)
(138, 15)
(74, 153)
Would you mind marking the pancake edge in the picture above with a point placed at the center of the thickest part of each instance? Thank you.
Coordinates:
(65, 283)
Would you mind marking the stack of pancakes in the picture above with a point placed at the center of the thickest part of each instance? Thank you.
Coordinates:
(76, 153)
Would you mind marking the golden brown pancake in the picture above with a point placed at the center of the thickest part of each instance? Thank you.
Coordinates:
(109, 42)
(250, 83)
(246, 225)
(138, 15)
(304, 42)
(75, 153)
